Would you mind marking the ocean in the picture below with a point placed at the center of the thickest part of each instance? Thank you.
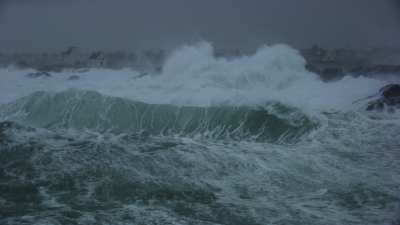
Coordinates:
(251, 140)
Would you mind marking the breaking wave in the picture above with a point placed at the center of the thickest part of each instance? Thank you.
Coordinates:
(91, 110)
(251, 140)
(193, 76)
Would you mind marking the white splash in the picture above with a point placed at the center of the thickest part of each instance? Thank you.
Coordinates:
(193, 76)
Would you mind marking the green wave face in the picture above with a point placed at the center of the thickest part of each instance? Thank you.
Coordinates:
(91, 110)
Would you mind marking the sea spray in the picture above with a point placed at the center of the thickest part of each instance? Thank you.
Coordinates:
(193, 76)
(251, 140)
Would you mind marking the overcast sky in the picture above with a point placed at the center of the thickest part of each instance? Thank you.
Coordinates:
(43, 25)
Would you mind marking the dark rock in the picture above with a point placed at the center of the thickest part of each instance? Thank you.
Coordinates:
(389, 95)
(390, 91)
(374, 69)
(69, 51)
(38, 74)
(73, 77)
(331, 73)
(95, 55)
(50, 68)
(385, 69)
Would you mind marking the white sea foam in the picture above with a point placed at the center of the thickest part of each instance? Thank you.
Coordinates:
(193, 76)
(345, 172)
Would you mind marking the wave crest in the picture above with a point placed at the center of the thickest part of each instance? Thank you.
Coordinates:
(91, 110)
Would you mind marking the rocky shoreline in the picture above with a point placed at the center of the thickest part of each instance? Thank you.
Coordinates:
(336, 63)
(330, 64)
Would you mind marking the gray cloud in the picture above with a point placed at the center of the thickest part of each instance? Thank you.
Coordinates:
(141, 24)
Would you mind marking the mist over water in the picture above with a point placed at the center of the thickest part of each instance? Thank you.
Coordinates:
(192, 75)
(255, 139)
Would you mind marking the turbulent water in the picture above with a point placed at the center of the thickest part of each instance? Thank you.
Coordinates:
(251, 140)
